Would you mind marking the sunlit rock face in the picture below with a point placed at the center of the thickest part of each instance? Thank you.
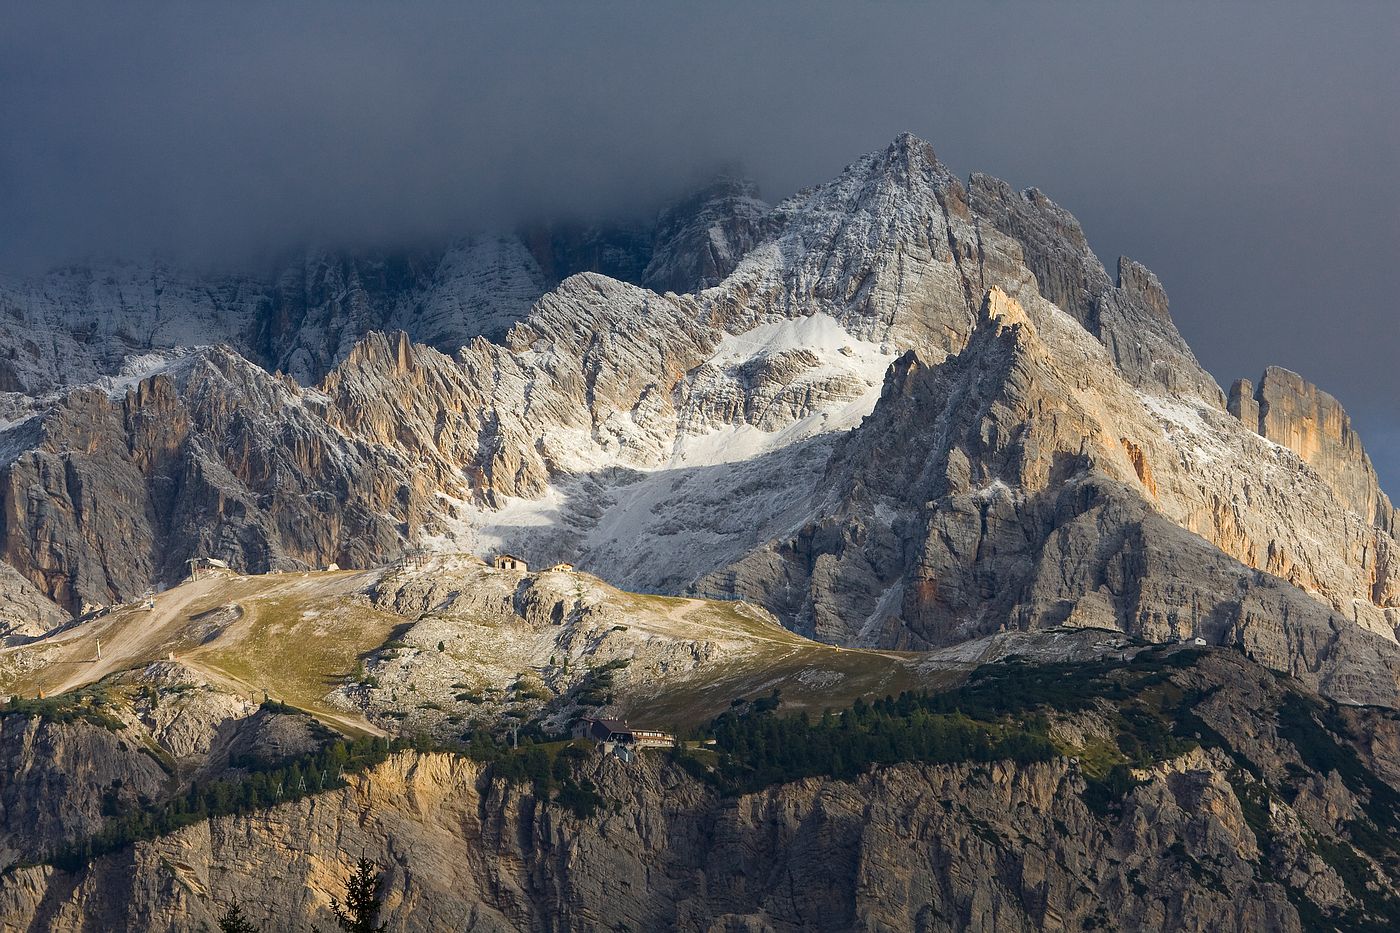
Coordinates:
(1313, 424)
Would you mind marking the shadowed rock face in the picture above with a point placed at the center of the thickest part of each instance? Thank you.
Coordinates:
(217, 458)
(55, 777)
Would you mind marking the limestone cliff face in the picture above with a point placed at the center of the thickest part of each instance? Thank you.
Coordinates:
(1293, 412)
(59, 779)
(1021, 483)
(215, 457)
(63, 778)
(999, 848)
(1206, 841)
(25, 611)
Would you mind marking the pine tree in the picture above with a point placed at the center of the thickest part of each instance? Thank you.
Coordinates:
(361, 907)
(233, 921)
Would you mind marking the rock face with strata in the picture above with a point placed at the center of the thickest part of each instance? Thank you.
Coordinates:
(63, 780)
(212, 458)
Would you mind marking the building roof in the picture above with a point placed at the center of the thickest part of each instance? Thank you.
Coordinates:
(602, 730)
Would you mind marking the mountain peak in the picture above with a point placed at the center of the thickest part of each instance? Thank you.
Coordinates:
(911, 158)
(907, 144)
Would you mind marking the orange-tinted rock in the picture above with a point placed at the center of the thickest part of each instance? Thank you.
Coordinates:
(1300, 416)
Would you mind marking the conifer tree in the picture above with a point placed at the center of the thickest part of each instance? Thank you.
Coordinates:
(361, 908)
(233, 921)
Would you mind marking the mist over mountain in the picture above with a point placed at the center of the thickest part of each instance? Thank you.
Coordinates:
(1250, 159)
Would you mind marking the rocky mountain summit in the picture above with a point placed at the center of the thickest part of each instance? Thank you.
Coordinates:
(896, 410)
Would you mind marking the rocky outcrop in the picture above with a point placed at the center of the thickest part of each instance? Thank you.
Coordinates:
(699, 240)
(63, 781)
(110, 492)
(75, 762)
(25, 611)
(1296, 414)
(214, 457)
(1243, 405)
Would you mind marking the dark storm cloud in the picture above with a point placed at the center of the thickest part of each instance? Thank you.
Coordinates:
(1250, 154)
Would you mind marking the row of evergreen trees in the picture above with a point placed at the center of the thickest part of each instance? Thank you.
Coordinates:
(261, 787)
(998, 714)
(90, 705)
(554, 777)
(759, 748)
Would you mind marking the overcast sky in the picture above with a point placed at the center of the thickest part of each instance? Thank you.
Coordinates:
(1248, 153)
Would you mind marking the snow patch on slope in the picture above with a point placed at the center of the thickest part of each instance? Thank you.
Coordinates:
(1185, 425)
(137, 368)
(727, 487)
(810, 366)
(820, 333)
